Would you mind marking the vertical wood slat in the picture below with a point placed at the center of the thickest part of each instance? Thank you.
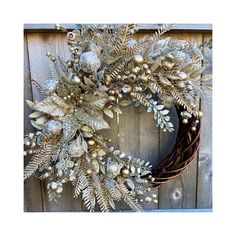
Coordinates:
(32, 187)
(38, 45)
(204, 187)
(180, 192)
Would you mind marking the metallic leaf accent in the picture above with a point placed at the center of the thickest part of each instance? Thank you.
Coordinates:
(117, 110)
(130, 183)
(70, 127)
(108, 112)
(125, 103)
(35, 114)
(52, 105)
(30, 104)
(96, 122)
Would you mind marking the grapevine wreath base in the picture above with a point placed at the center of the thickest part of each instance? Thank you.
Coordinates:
(109, 69)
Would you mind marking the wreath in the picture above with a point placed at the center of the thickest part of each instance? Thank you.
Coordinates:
(108, 69)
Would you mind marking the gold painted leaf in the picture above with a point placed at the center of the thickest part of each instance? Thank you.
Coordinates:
(102, 88)
(99, 103)
(87, 135)
(196, 70)
(156, 64)
(33, 122)
(35, 114)
(117, 110)
(88, 82)
(108, 112)
(101, 93)
(109, 59)
(125, 103)
(95, 165)
(30, 104)
(173, 77)
(52, 105)
(112, 204)
(95, 101)
(164, 80)
(206, 77)
(95, 121)
(41, 120)
(59, 101)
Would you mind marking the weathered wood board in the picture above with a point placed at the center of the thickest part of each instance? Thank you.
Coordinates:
(180, 192)
(32, 187)
(134, 131)
(204, 184)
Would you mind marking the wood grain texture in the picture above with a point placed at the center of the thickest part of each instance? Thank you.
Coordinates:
(38, 45)
(204, 187)
(32, 187)
(149, 135)
(180, 192)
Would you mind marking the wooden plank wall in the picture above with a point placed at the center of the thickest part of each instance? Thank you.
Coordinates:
(133, 132)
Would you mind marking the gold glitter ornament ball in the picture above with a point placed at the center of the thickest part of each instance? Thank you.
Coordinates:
(74, 149)
(112, 168)
(52, 127)
(138, 59)
(89, 62)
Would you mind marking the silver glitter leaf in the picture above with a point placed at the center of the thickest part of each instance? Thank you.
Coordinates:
(132, 168)
(160, 107)
(146, 172)
(130, 183)
(164, 112)
(70, 127)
